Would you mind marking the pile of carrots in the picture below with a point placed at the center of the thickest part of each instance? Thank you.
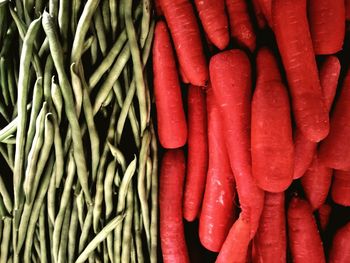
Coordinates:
(265, 129)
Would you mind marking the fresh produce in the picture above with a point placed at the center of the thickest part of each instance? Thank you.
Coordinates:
(340, 188)
(324, 213)
(340, 251)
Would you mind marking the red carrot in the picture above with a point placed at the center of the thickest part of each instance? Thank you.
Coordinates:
(197, 158)
(185, 33)
(171, 181)
(240, 23)
(218, 206)
(214, 20)
(259, 14)
(267, 66)
(294, 42)
(324, 213)
(270, 244)
(230, 75)
(340, 251)
(184, 79)
(334, 151)
(327, 25)
(305, 149)
(271, 132)
(341, 188)
(172, 129)
(304, 240)
(316, 183)
(266, 7)
(235, 247)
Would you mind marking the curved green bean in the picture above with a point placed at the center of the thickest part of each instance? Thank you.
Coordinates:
(57, 100)
(42, 232)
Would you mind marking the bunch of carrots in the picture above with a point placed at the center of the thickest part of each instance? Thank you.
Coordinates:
(265, 130)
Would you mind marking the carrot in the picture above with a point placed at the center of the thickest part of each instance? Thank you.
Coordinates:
(230, 76)
(214, 20)
(266, 7)
(172, 128)
(242, 30)
(316, 183)
(270, 244)
(259, 15)
(340, 251)
(271, 132)
(197, 157)
(341, 188)
(267, 66)
(184, 79)
(171, 181)
(305, 149)
(327, 25)
(218, 208)
(324, 213)
(294, 42)
(185, 33)
(304, 240)
(334, 151)
(235, 247)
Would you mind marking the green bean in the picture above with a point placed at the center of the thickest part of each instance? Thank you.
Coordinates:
(50, 234)
(66, 195)
(132, 251)
(100, 31)
(10, 140)
(5, 195)
(109, 99)
(99, 238)
(44, 153)
(39, 7)
(85, 230)
(9, 129)
(72, 236)
(82, 28)
(26, 55)
(44, 48)
(59, 164)
(118, 155)
(42, 232)
(63, 21)
(3, 2)
(77, 89)
(137, 229)
(3, 20)
(62, 255)
(154, 198)
(36, 246)
(36, 106)
(48, 73)
(105, 253)
(101, 171)
(148, 176)
(80, 207)
(3, 81)
(1, 228)
(34, 152)
(121, 14)
(36, 209)
(117, 90)
(94, 47)
(28, 7)
(3, 211)
(6, 157)
(8, 39)
(51, 201)
(107, 62)
(106, 15)
(56, 52)
(5, 240)
(129, 172)
(108, 188)
(88, 43)
(3, 112)
(11, 85)
(114, 18)
(53, 8)
(127, 226)
(146, 139)
(145, 23)
(57, 100)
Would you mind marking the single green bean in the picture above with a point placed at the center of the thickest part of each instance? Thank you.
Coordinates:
(62, 254)
(127, 226)
(63, 21)
(145, 22)
(138, 230)
(148, 176)
(11, 85)
(5, 240)
(121, 10)
(3, 211)
(53, 8)
(80, 207)
(6, 196)
(9, 129)
(51, 202)
(5, 154)
(72, 236)
(114, 18)
(42, 232)
(85, 230)
(118, 155)
(56, 52)
(99, 238)
(36, 247)
(100, 31)
(108, 100)
(77, 89)
(105, 252)
(3, 112)
(8, 40)
(75, 10)
(59, 164)
(3, 81)
(57, 100)
(39, 7)
(23, 84)
(132, 251)
(94, 47)
(108, 188)
(106, 15)
(154, 198)
(88, 43)
(44, 48)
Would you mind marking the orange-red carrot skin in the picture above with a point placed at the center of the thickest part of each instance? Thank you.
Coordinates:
(184, 30)
(241, 26)
(270, 242)
(324, 213)
(341, 188)
(327, 25)
(218, 207)
(271, 137)
(214, 20)
(172, 127)
(316, 183)
(235, 247)
(259, 14)
(197, 155)
(304, 148)
(291, 29)
(266, 7)
(334, 151)
(340, 251)
(230, 76)
(304, 239)
(271, 132)
(172, 236)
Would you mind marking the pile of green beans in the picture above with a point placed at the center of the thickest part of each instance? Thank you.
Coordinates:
(78, 151)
